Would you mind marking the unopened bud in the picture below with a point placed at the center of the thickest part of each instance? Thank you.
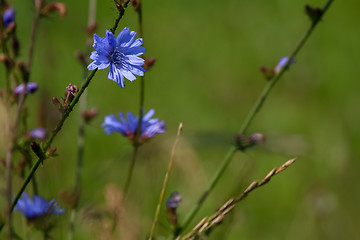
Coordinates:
(241, 142)
(51, 152)
(267, 73)
(57, 104)
(149, 63)
(90, 30)
(15, 45)
(10, 27)
(54, 7)
(35, 147)
(133, 3)
(4, 59)
(89, 115)
(315, 14)
(81, 57)
(23, 69)
(257, 138)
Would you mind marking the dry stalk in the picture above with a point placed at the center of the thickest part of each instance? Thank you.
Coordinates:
(207, 224)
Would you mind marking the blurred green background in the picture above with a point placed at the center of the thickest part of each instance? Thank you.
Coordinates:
(207, 76)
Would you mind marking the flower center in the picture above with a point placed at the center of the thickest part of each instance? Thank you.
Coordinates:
(117, 56)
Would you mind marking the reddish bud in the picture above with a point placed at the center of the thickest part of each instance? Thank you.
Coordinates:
(89, 115)
(54, 7)
(81, 57)
(90, 30)
(4, 59)
(267, 73)
(51, 152)
(149, 63)
(57, 104)
(134, 3)
(11, 28)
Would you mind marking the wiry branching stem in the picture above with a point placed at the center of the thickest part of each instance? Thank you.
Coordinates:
(255, 109)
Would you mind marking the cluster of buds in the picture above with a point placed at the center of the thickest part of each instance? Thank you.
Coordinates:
(172, 204)
(71, 91)
(243, 142)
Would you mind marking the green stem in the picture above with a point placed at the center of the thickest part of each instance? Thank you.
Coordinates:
(256, 107)
(62, 120)
(129, 173)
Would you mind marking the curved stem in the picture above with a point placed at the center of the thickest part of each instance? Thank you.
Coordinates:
(256, 107)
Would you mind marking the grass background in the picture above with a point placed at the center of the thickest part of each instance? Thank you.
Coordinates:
(207, 76)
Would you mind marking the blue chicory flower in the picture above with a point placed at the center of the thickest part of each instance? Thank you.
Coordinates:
(38, 133)
(37, 207)
(283, 61)
(9, 16)
(31, 87)
(120, 54)
(149, 127)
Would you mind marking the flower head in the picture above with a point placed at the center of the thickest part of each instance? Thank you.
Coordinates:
(31, 87)
(128, 127)
(120, 54)
(283, 61)
(174, 200)
(37, 207)
(38, 133)
(9, 16)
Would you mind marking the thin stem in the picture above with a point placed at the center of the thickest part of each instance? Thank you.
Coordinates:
(8, 180)
(33, 36)
(142, 78)
(257, 106)
(129, 174)
(62, 120)
(171, 162)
